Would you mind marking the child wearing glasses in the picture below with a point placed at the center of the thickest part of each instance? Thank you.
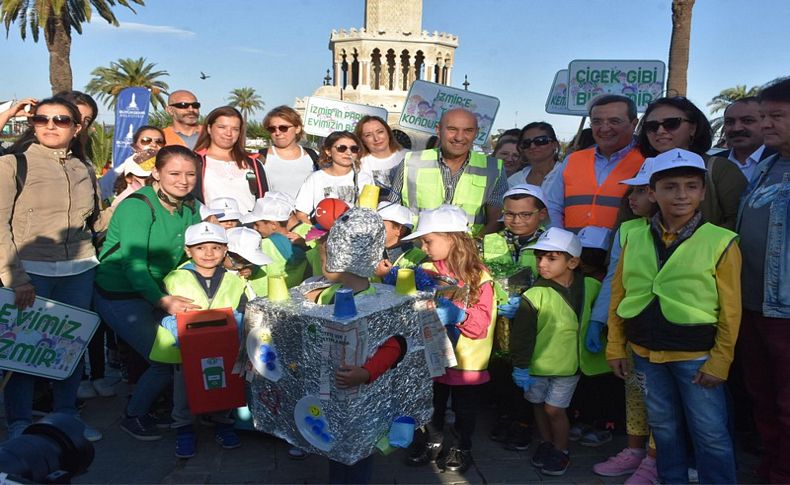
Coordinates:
(339, 176)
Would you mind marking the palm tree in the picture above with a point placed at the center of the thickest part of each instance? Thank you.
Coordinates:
(57, 18)
(724, 99)
(246, 101)
(100, 146)
(108, 82)
(677, 79)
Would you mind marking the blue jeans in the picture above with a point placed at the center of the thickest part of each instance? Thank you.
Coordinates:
(672, 400)
(135, 321)
(73, 290)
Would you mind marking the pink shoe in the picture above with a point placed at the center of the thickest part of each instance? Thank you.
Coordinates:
(624, 463)
(646, 474)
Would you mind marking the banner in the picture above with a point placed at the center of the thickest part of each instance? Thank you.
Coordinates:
(642, 81)
(47, 339)
(322, 116)
(131, 112)
(557, 102)
(427, 102)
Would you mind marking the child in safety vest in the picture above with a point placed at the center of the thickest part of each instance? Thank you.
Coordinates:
(397, 253)
(633, 460)
(246, 259)
(270, 217)
(204, 280)
(223, 211)
(676, 300)
(468, 317)
(544, 342)
(524, 213)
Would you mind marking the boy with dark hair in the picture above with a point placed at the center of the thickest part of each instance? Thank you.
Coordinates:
(676, 300)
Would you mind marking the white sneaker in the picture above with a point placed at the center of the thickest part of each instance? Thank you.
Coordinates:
(86, 390)
(92, 434)
(104, 387)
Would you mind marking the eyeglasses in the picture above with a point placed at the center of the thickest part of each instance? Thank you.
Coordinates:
(539, 141)
(147, 140)
(343, 148)
(61, 121)
(182, 105)
(519, 215)
(669, 124)
(280, 128)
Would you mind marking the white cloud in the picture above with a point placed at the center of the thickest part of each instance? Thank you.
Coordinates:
(135, 27)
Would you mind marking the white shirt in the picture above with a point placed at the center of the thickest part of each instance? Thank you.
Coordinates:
(287, 175)
(379, 168)
(519, 177)
(749, 167)
(60, 268)
(226, 179)
(320, 185)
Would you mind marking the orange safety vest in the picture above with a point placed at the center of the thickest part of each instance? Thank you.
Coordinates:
(590, 204)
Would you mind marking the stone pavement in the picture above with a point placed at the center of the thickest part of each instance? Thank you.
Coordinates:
(264, 459)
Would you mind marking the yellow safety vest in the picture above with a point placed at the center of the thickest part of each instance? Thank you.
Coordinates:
(294, 273)
(411, 258)
(496, 249)
(629, 226)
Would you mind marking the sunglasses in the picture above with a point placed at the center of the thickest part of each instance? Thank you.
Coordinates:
(280, 128)
(343, 148)
(195, 105)
(61, 121)
(669, 124)
(147, 140)
(539, 141)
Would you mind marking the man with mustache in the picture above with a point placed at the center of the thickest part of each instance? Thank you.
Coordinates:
(184, 107)
(744, 136)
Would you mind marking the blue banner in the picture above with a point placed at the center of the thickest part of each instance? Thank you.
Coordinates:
(131, 112)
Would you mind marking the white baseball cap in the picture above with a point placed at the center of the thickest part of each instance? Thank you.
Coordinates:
(246, 243)
(272, 207)
(642, 177)
(445, 218)
(556, 239)
(526, 189)
(677, 158)
(225, 208)
(595, 237)
(130, 167)
(392, 211)
(204, 232)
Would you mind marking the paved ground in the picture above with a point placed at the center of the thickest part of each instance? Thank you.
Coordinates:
(263, 459)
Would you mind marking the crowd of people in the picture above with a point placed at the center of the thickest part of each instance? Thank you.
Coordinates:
(637, 282)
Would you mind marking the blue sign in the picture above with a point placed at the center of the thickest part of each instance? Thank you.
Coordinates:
(131, 112)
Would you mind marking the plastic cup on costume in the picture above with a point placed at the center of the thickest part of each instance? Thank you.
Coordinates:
(402, 431)
(370, 196)
(278, 291)
(383, 445)
(405, 284)
(344, 304)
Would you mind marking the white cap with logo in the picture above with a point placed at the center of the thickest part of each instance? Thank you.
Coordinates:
(642, 177)
(392, 211)
(204, 232)
(445, 218)
(556, 239)
(246, 243)
(225, 208)
(274, 206)
(677, 158)
(527, 189)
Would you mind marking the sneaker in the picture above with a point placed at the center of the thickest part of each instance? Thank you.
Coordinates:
(624, 463)
(186, 442)
(86, 390)
(500, 431)
(645, 474)
(556, 463)
(141, 427)
(227, 437)
(544, 448)
(578, 430)
(519, 437)
(423, 453)
(295, 453)
(103, 387)
(596, 438)
(456, 460)
(92, 434)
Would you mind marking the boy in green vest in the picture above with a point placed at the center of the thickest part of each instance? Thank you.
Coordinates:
(676, 300)
(544, 342)
(270, 217)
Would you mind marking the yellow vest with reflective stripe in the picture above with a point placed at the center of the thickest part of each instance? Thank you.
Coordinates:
(685, 286)
(294, 273)
(423, 187)
(495, 248)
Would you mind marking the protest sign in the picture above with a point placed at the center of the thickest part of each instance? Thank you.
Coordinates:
(557, 102)
(427, 102)
(47, 339)
(322, 116)
(642, 81)
(131, 112)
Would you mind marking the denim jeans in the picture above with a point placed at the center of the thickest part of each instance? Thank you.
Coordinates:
(73, 290)
(672, 400)
(135, 321)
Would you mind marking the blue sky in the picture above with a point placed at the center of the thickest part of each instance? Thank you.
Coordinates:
(510, 49)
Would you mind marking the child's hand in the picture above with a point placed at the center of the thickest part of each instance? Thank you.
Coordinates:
(706, 380)
(522, 378)
(351, 376)
(619, 367)
(383, 268)
(245, 272)
(509, 309)
(593, 338)
(176, 304)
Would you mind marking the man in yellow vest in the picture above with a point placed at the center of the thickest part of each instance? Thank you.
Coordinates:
(453, 174)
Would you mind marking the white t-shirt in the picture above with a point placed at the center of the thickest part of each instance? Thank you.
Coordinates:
(226, 179)
(287, 175)
(379, 168)
(519, 177)
(320, 185)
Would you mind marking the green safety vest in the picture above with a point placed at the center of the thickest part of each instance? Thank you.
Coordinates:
(411, 258)
(496, 248)
(326, 296)
(294, 273)
(685, 285)
(182, 282)
(258, 283)
(629, 226)
(313, 258)
(302, 229)
(559, 346)
(423, 187)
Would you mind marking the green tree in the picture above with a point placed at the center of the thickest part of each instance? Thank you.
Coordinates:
(255, 129)
(677, 79)
(57, 18)
(724, 99)
(246, 100)
(108, 82)
(100, 147)
(159, 118)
